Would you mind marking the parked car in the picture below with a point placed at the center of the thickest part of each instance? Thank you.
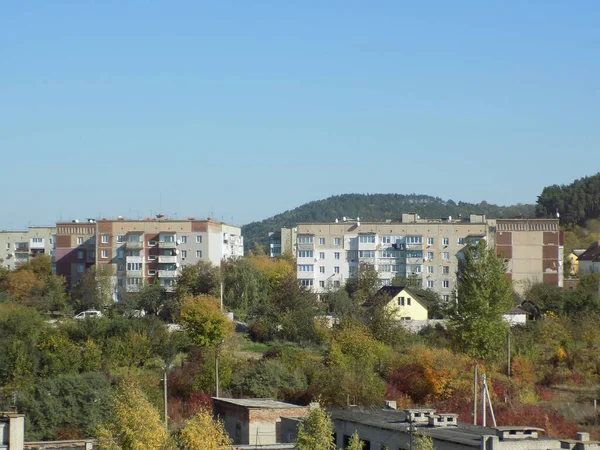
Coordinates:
(89, 313)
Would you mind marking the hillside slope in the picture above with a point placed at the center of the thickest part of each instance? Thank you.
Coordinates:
(375, 207)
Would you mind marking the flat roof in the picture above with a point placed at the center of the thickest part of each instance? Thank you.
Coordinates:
(258, 403)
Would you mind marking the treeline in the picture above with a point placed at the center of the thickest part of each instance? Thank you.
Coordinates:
(376, 207)
(576, 202)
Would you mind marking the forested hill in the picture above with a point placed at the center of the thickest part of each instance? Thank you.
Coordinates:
(375, 207)
(576, 202)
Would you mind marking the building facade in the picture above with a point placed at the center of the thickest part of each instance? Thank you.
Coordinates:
(425, 251)
(282, 241)
(138, 252)
(18, 247)
(589, 260)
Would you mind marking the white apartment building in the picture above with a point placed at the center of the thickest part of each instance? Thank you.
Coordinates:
(424, 250)
(18, 247)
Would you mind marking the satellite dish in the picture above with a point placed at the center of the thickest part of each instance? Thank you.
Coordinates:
(344, 218)
(358, 224)
(336, 220)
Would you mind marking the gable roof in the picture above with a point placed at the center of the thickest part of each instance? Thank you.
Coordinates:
(592, 253)
(392, 291)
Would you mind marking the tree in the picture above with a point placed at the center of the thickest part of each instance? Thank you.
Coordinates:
(94, 289)
(355, 442)
(201, 317)
(151, 298)
(365, 285)
(422, 442)
(134, 423)
(21, 283)
(200, 278)
(202, 431)
(315, 432)
(483, 295)
(243, 285)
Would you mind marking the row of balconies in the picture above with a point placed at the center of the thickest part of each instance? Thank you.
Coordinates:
(161, 259)
(160, 273)
(140, 244)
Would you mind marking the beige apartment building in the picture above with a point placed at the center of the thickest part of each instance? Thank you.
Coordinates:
(426, 251)
(282, 241)
(18, 247)
(137, 252)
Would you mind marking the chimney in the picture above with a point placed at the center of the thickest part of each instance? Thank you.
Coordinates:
(389, 404)
(12, 430)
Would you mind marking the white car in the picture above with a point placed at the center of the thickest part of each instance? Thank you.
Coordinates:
(87, 314)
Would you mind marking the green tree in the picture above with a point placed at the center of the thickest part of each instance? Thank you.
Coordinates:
(151, 299)
(201, 317)
(483, 295)
(94, 290)
(200, 278)
(365, 285)
(315, 432)
(243, 285)
(422, 442)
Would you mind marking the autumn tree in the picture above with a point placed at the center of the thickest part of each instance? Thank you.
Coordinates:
(355, 443)
(202, 318)
(483, 295)
(134, 424)
(315, 432)
(365, 285)
(203, 431)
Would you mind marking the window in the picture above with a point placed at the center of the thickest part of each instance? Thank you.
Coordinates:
(321, 284)
(446, 270)
(8, 246)
(198, 239)
(389, 253)
(429, 241)
(337, 241)
(336, 269)
(305, 253)
(401, 301)
(446, 298)
(79, 255)
(133, 238)
(363, 254)
(430, 284)
(321, 269)
(184, 253)
(385, 267)
(305, 267)
(184, 239)
(445, 241)
(445, 255)
(151, 272)
(306, 282)
(429, 269)
(198, 253)
(446, 284)
(321, 255)
(151, 257)
(104, 239)
(152, 243)
(414, 239)
(366, 238)
(91, 254)
(386, 239)
(104, 254)
(407, 301)
(134, 266)
(414, 254)
(37, 240)
(321, 241)
(134, 281)
(79, 240)
(120, 238)
(336, 284)
(336, 255)
(430, 256)
(461, 241)
(80, 268)
(305, 239)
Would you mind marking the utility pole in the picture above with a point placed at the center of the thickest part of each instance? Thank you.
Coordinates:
(475, 396)
(483, 399)
(165, 393)
(217, 367)
(410, 425)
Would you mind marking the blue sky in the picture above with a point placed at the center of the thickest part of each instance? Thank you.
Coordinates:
(245, 109)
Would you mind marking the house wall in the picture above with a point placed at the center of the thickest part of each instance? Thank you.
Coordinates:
(414, 311)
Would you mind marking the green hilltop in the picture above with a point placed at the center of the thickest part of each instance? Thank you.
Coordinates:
(376, 207)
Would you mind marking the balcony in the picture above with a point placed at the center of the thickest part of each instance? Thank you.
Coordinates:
(167, 259)
(134, 245)
(134, 259)
(36, 245)
(21, 249)
(167, 274)
(133, 287)
(167, 244)
(414, 261)
(134, 274)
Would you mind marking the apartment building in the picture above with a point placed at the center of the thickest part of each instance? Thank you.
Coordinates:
(534, 251)
(424, 250)
(136, 252)
(75, 250)
(18, 247)
(282, 241)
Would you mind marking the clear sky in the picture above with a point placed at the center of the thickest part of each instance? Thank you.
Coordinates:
(245, 109)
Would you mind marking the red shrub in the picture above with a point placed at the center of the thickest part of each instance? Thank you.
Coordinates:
(550, 420)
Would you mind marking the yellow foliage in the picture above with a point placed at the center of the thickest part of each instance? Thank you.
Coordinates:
(202, 431)
(21, 283)
(203, 320)
(273, 269)
(135, 424)
(561, 354)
